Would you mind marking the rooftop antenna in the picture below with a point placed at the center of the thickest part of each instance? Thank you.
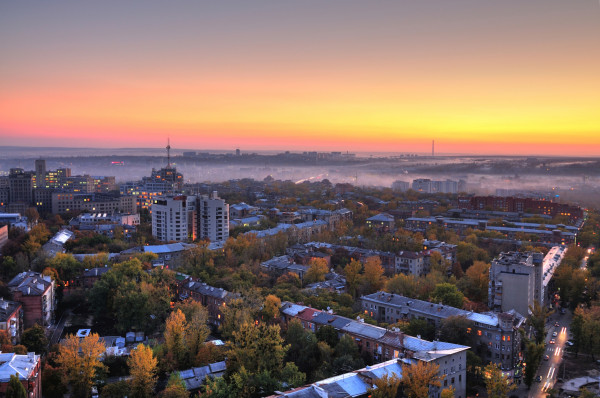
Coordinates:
(168, 152)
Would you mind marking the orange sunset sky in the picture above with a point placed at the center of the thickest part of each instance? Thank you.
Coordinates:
(480, 77)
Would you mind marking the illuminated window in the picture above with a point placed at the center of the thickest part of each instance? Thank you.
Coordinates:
(479, 333)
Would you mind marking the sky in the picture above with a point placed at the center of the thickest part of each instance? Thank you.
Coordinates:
(478, 77)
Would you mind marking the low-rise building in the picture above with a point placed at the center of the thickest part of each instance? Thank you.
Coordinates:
(358, 382)
(495, 335)
(26, 367)
(11, 319)
(383, 221)
(212, 298)
(283, 264)
(36, 293)
(384, 345)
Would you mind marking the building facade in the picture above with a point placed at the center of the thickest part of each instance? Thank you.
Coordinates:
(36, 293)
(212, 218)
(495, 336)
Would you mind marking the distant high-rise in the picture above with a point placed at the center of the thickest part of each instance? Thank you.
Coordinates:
(432, 147)
(168, 153)
(40, 173)
(238, 152)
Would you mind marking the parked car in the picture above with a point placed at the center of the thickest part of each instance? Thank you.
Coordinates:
(552, 341)
(554, 334)
(546, 357)
(557, 324)
(538, 379)
(570, 343)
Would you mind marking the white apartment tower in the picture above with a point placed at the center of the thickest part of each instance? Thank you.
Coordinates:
(516, 282)
(170, 219)
(213, 218)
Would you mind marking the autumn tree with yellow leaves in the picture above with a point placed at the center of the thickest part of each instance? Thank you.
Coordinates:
(79, 361)
(142, 368)
(419, 377)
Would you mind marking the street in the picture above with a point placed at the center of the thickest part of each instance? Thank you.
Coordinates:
(550, 369)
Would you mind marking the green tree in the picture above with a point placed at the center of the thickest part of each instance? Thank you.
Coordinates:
(15, 388)
(256, 348)
(448, 294)
(35, 339)
(533, 358)
(537, 319)
(119, 389)
(456, 329)
(496, 384)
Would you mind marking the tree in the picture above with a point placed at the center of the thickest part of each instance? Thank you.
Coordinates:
(256, 348)
(448, 294)
(119, 389)
(533, 357)
(196, 328)
(79, 360)
(496, 384)
(448, 392)
(419, 377)
(175, 387)
(15, 388)
(271, 307)
(456, 329)
(373, 276)
(385, 387)
(352, 273)
(142, 367)
(175, 337)
(418, 327)
(474, 284)
(317, 269)
(537, 319)
(35, 339)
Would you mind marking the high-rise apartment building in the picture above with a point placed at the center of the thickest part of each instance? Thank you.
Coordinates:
(213, 218)
(170, 218)
(516, 281)
(21, 186)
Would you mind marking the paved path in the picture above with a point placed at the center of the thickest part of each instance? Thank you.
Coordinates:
(57, 329)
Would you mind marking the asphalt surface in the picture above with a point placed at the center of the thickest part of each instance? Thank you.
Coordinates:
(550, 370)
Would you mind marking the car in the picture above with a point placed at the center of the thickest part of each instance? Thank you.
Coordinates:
(554, 334)
(556, 324)
(570, 343)
(538, 379)
(563, 311)
(546, 357)
(552, 341)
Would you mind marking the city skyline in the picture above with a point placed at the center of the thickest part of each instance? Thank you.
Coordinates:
(477, 78)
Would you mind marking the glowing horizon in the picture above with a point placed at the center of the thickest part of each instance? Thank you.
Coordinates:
(478, 78)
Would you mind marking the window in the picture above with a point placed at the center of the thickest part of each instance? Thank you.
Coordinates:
(479, 333)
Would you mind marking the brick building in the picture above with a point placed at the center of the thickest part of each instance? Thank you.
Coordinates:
(36, 293)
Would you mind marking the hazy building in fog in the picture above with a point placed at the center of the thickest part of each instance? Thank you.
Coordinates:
(400, 186)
